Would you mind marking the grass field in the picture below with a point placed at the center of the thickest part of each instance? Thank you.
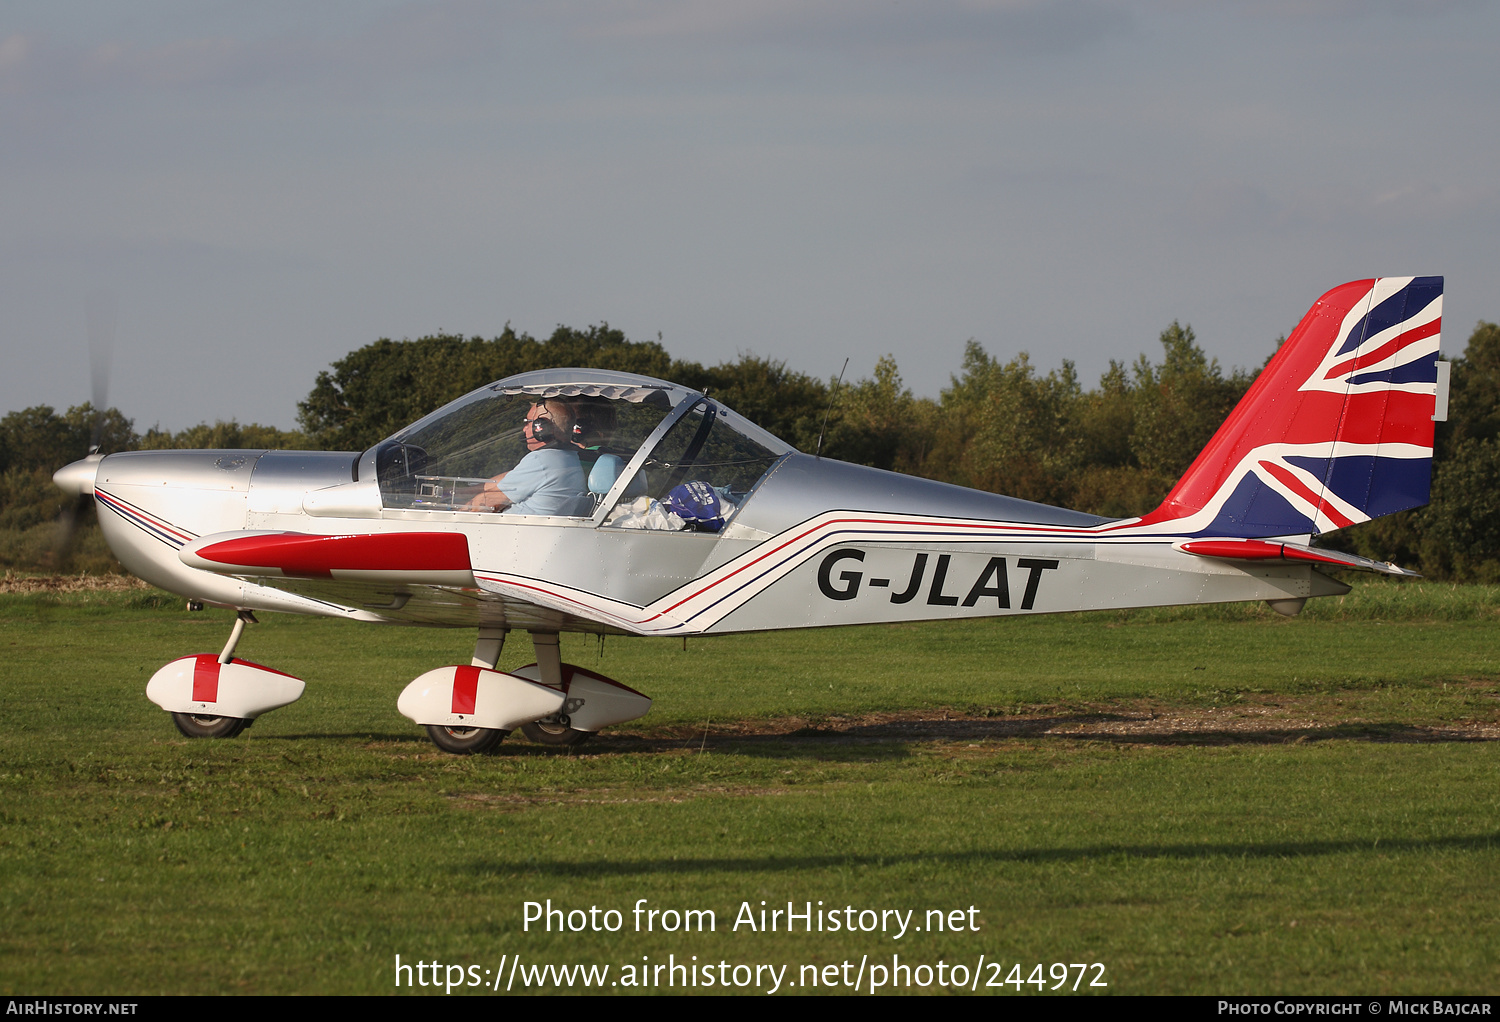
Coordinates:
(1202, 801)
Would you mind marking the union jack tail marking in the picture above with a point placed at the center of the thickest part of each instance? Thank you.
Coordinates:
(1336, 430)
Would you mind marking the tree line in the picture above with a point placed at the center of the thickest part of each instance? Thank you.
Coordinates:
(1113, 449)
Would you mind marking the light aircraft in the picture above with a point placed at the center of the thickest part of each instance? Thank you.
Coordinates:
(679, 517)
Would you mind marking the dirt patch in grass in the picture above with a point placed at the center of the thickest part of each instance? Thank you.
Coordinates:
(516, 802)
(12, 583)
(1264, 725)
(1284, 723)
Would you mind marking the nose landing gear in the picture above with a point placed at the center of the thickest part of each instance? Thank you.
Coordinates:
(212, 696)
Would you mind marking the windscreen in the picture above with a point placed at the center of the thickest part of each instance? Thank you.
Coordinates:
(460, 458)
(708, 449)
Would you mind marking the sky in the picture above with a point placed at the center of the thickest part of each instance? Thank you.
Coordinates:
(251, 191)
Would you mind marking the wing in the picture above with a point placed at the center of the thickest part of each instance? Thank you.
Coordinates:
(416, 578)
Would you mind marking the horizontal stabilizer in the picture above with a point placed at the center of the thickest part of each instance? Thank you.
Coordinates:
(1282, 553)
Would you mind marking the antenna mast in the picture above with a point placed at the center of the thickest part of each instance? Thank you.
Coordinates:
(832, 394)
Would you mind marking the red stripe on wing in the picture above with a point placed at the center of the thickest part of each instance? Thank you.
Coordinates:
(298, 554)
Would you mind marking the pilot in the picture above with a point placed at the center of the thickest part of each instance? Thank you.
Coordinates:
(549, 480)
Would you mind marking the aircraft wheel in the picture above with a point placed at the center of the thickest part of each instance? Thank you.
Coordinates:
(198, 726)
(550, 731)
(465, 741)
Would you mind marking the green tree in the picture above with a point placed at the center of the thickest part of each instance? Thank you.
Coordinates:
(1108, 480)
(878, 423)
(1180, 403)
(1461, 527)
(1457, 535)
(1005, 429)
(225, 436)
(376, 390)
(40, 438)
(787, 403)
(1474, 393)
(34, 443)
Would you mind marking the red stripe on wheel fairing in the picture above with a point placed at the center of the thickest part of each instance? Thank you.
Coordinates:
(206, 678)
(465, 688)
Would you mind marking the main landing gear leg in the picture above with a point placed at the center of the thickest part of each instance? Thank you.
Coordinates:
(556, 729)
(487, 648)
(196, 725)
(471, 740)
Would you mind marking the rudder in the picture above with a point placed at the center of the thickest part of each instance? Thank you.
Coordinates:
(1336, 430)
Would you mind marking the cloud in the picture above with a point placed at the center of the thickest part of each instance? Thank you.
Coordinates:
(412, 38)
(415, 38)
(1361, 9)
(13, 51)
(1329, 10)
(1011, 26)
(30, 65)
(1220, 206)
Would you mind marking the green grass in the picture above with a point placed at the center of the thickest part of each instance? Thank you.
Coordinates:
(1333, 826)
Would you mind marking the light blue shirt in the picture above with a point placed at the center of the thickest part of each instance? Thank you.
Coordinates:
(547, 482)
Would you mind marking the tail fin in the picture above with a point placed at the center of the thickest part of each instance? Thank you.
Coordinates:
(1338, 427)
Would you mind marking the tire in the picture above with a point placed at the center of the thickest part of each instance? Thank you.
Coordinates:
(465, 741)
(552, 732)
(196, 725)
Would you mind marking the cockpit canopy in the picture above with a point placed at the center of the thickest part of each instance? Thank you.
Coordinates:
(636, 442)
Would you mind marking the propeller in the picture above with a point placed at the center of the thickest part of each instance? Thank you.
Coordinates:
(102, 310)
(103, 314)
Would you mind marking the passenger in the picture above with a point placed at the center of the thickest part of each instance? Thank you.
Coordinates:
(596, 419)
(549, 480)
(594, 422)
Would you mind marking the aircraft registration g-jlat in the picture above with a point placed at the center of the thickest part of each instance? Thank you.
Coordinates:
(604, 502)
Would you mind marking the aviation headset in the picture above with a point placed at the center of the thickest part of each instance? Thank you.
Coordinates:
(545, 430)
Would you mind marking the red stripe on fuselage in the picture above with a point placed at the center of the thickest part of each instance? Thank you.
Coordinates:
(129, 511)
